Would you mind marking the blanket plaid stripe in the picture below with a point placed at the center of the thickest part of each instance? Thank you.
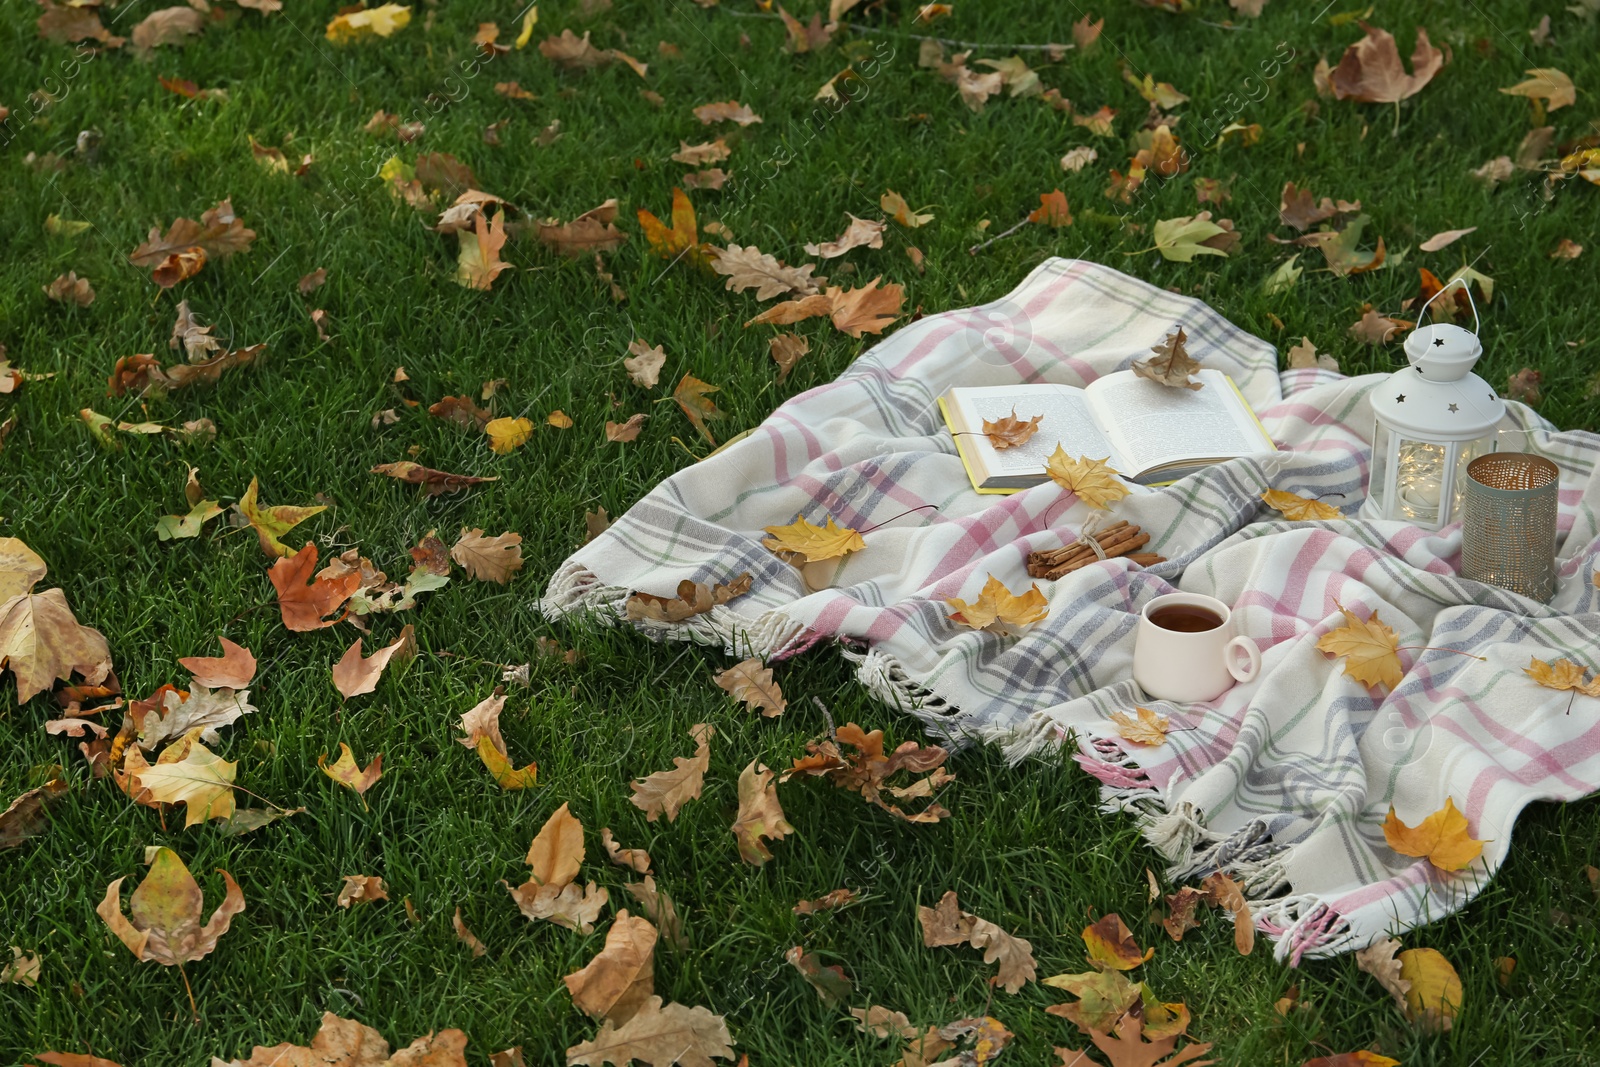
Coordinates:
(1282, 782)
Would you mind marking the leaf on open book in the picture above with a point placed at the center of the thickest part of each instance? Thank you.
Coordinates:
(1172, 364)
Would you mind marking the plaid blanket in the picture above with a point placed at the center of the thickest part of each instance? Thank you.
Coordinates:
(1282, 782)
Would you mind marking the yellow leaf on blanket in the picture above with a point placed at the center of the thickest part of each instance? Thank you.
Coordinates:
(1442, 837)
(1091, 480)
(1297, 508)
(813, 542)
(1368, 647)
(1561, 674)
(997, 604)
(1148, 729)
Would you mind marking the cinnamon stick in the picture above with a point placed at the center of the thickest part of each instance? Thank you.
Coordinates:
(1060, 555)
(1125, 544)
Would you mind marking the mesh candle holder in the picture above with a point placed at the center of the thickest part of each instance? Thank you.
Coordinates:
(1508, 530)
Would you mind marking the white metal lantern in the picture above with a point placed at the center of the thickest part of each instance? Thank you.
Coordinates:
(1433, 418)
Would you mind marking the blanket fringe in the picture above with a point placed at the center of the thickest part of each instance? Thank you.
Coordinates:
(887, 679)
(576, 590)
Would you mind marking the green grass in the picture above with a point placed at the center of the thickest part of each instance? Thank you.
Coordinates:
(1025, 847)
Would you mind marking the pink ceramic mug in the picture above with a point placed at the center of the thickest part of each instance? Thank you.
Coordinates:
(1185, 650)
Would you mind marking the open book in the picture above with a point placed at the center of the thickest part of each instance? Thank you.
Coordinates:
(1151, 433)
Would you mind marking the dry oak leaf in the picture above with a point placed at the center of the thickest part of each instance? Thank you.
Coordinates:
(636, 860)
(644, 366)
(666, 792)
(42, 641)
(1434, 995)
(488, 559)
(1110, 945)
(861, 233)
(621, 977)
(1010, 431)
(868, 769)
(165, 913)
(997, 604)
(71, 289)
(1172, 364)
(868, 309)
(362, 889)
(694, 598)
(348, 773)
(623, 432)
(1368, 647)
(170, 25)
(1370, 70)
(1131, 1048)
(697, 155)
(747, 267)
(306, 602)
(1378, 960)
(272, 523)
(466, 936)
(751, 681)
(1442, 838)
(1147, 729)
(354, 675)
(832, 985)
(347, 1043)
(28, 815)
(571, 906)
(362, 23)
(760, 814)
(947, 924)
(1091, 480)
(1297, 508)
(881, 1022)
(433, 482)
(811, 542)
(1223, 892)
(692, 399)
(834, 898)
(592, 232)
(660, 1035)
(787, 349)
(65, 24)
(726, 111)
(1376, 329)
(1547, 84)
(200, 780)
(681, 238)
(571, 52)
(188, 244)
(232, 670)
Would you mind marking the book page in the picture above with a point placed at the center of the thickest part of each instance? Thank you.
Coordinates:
(1153, 424)
(1066, 421)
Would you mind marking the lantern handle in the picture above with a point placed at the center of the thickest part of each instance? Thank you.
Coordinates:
(1477, 325)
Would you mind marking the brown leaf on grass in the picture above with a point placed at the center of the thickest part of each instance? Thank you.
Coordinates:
(348, 773)
(1052, 210)
(306, 603)
(466, 936)
(347, 1043)
(23, 970)
(694, 598)
(1546, 84)
(1172, 365)
(621, 976)
(185, 247)
(623, 432)
(835, 898)
(1223, 892)
(592, 232)
(1343, 249)
(867, 309)
(362, 889)
(644, 366)
(750, 268)
(1444, 239)
(881, 1022)
(461, 411)
(657, 1034)
(65, 24)
(792, 311)
(1566, 248)
(1180, 912)
(353, 675)
(691, 396)
(433, 482)
(894, 205)
(165, 913)
(1524, 386)
(1370, 70)
(861, 233)
(712, 179)
(482, 726)
(168, 26)
(1010, 431)
(550, 891)
(831, 984)
(786, 350)
(478, 264)
(947, 924)
(70, 289)
(571, 52)
(1297, 208)
(170, 713)
(666, 792)
(1368, 648)
(867, 770)
(726, 111)
(1131, 1048)
(751, 682)
(28, 815)
(488, 559)
(1376, 329)
(636, 860)
(697, 155)
(1110, 945)
(658, 907)
(760, 814)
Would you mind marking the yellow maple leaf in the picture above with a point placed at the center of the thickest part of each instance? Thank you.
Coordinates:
(681, 238)
(1442, 837)
(1297, 508)
(1562, 674)
(383, 21)
(1368, 647)
(814, 542)
(1090, 480)
(272, 523)
(1148, 729)
(995, 603)
(507, 435)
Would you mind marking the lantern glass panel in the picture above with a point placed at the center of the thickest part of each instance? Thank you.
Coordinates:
(1378, 482)
(1429, 474)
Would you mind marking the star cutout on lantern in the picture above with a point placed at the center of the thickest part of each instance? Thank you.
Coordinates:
(1438, 342)
(1401, 399)
(1454, 408)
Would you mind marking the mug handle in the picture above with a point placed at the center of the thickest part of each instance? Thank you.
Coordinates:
(1252, 654)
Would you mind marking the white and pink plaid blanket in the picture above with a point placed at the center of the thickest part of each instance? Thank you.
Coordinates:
(1283, 782)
